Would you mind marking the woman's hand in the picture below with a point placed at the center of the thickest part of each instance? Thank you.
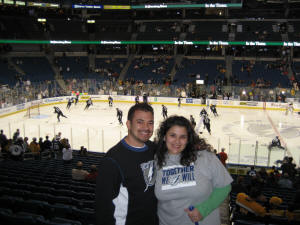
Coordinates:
(194, 215)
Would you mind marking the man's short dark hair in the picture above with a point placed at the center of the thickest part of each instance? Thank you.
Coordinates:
(140, 106)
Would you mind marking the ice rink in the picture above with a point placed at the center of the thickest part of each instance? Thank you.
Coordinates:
(244, 133)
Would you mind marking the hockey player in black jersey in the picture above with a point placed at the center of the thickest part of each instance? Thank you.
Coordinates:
(76, 99)
(120, 116)
(70, 101)
(125, 182)
(206, 122)
(203, 112)
(110, 101)
(193, 122)
(179, 101)
(137, 99)
(164, 111)
(213, 109)
(59, 113)
(145, 98)
(89, 102)
(275, 143)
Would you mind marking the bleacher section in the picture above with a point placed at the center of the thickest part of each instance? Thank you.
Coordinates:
(191, 67)
(207, 30)
(43, 192)
(7, 74)
(150, 68)
(269, 71)
(78, 67)
(287, 195)
(258, 31)
(35, 68)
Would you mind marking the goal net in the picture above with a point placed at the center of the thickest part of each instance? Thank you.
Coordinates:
(33, 110)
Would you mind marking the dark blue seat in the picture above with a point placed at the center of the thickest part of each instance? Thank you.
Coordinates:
(85, 216)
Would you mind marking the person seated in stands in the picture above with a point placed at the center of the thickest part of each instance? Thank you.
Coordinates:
(17, 150)
(239, 186)
(285, 181)
(83, 151)
(288, 167)
(35, 148)
(252, 172)
(3, 139)
(78, 173)
(263, 173)
(249, 205)
(67, 151)
(275, 143)
(93, 174)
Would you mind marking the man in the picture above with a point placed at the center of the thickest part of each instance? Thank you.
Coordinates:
(89, 102)
(79, 173)
(70, 101)
(137, 99)
(164, 111)
(179, 101)
(275, 143)
(223, 156)
(110, 101)
(120, 116)
(125, 182)
(59, 113)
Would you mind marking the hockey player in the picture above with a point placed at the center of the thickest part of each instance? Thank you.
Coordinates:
(206, 122)
(120, 116)
(213, 109)
(145, 98)
(179, 101)
(193, 122)
(77, 98)
(275, 143)
(164, 111)
(59, 113)
(137, 99)
(70, 101)
(203, 113)
(89, 102)
(110, 101)
(289, 108)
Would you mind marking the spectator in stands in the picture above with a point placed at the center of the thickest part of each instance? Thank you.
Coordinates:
(41, 143)
(209, 183)
(78, 173)
(126, 174)
(251, 172)
(26, 144)
(16, 135)
(47, 143)
(223, 156)
(67, 152)
(93, 174)
(263, 174)
(35, 148)
(239, 186)
(285, 181)
(3, 139)
(288, 167)
(17, 150)
(83, 151)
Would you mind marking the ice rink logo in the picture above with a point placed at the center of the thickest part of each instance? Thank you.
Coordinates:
(260, 128)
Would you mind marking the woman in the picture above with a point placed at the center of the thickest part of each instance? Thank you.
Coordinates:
(187, 177)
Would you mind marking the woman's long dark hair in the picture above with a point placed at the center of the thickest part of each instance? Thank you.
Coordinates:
(189, 154)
